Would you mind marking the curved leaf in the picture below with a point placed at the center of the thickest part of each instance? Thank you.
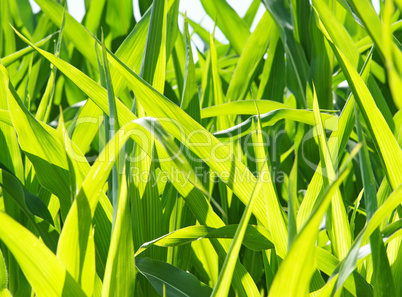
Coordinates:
(44, 271)
(171, 281)
(256, 238)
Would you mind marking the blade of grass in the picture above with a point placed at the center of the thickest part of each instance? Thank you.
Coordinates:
(4, 278)
(381, 213)
(276, 218)
(273, 77)
(355, 283)
(253, 52)
(44, 271)
(73, 29)
(171, 281)
(5, 117)
(42, 146)
(225, 275)
(299, 262)
(76, 246)
(190, 102)
(337, 220)
(383, 282)
(336, 143)
(231, 25)
(338, 33)
(251, 12)
(14, 57)
(154, 59)
(272, 117)
(32, 207)
(296, 57)
(256, 237)
(46, 101)
(389, 150)
(120, 267)
(222, 122)
(113, 127)
(293, 202)
(147, 211)
(10, 155)
(203, 209)
(391, 52)
(242, 107)
(321, 65)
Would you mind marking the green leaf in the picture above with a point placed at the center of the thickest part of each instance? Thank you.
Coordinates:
(201, 32)
(73, 29)
(321, 65)
(225, 275)
(44, 149)
(32, 207)
(242, 107)
(222, 122)
(296, 56)
(273, 76)
(355, 283)
(256, 237)
(272, 117)
(111, 127)
(384, 140)
(194, 198)
(76, 248)
(348, 264)
(5, 117)
(14, 57)
(299, 262)
(10, 154)
(391, 52)
(157, 105)
(48, 156)
(338, 33)
(190, 102)
(3, 278)
(119, 16)
(144, 5)
(154, 59)
(43, 270)
(232, 26)
(381, 270)
(153, 70)
(336, 143)
(169, 280)
(251, 12)
(337, 220)
(120, 267)
(253, 52)
(131, 50)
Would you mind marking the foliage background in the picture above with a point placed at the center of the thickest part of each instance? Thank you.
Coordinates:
(270, 165)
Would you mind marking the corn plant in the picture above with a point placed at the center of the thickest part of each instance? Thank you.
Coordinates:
(135, 163)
